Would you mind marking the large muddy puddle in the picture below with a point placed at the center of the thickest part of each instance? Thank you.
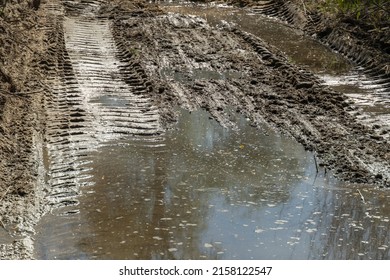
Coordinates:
(208, 192)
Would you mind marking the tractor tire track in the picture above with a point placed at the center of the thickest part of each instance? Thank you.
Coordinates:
(89, 104)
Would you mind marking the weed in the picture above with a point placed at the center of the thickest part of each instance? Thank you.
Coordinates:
(376, 12)
(3, 3)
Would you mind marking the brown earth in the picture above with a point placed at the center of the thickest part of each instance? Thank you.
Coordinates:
(21, 47)
(174, 57)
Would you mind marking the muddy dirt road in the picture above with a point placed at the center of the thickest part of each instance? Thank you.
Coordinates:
(114, 70)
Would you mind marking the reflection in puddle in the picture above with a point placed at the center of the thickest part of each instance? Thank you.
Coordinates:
(207, 192)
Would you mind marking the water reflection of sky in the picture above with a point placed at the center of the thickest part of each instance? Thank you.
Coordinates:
(205, 192)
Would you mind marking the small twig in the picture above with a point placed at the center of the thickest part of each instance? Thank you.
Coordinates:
(382, 8)
(1, 199)
(20, 93)
(5, 193)
(304, 7)
(2, 224)
(315, 161)
(362, 197)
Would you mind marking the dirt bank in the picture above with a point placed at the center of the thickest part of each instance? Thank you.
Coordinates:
(172, 60)
(21, 48)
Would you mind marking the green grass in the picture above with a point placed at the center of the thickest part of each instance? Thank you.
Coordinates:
(376, 12)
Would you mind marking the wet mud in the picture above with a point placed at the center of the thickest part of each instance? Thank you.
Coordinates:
(111, 71)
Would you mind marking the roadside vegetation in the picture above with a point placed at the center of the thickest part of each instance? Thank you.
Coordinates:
(367, 22)
(373, 12)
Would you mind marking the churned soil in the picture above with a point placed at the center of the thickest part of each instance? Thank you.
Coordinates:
(22, 44)
(180, 61)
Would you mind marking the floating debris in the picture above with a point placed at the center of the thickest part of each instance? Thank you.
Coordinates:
(157, 238)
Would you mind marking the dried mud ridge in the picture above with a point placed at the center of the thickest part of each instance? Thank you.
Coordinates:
(124, 70)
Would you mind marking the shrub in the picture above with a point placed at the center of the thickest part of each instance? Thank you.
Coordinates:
(374, 11)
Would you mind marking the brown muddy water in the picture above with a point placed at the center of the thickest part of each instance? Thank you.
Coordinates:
(203, 191)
